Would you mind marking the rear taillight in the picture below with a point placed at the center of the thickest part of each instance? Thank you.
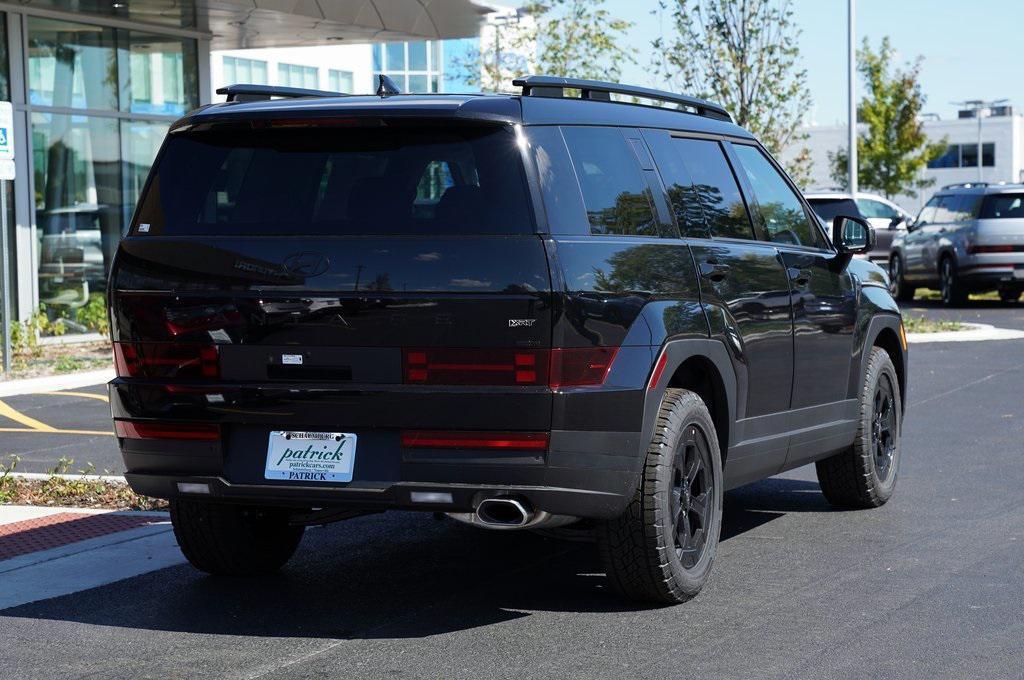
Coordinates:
(166, 360)
(459, 439)
(980, 250)
(434, 366)
(474, 366)
(127, 429)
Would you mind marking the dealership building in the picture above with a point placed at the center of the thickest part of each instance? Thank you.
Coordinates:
(1002, 152)
(95, 85)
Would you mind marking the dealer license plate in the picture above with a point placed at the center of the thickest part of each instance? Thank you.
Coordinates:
(310, 456)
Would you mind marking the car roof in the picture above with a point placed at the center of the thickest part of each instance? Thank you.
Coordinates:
(507, 108)
(980, 189)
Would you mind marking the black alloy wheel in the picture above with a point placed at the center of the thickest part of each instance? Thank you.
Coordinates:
(693, 498)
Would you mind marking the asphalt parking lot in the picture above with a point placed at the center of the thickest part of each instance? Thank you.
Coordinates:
(931, 585)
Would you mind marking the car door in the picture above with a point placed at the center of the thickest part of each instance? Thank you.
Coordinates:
(917, 238)
(824, 302)
(935, 233)
(745, 292)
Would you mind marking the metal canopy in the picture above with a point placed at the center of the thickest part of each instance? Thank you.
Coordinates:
(236, 24)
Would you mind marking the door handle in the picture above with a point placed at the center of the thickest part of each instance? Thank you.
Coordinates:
(800, 277)
(713, 270)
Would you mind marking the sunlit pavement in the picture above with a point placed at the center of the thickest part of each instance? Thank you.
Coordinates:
(931, 585)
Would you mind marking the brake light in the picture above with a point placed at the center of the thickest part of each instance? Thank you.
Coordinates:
(127, 429)
(475, 366)
(975, 250)
(580, 366)
(569, 367)
(458, 439)
(166, 360)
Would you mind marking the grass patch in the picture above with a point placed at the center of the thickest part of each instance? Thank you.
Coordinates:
(919, 324)
(77, 491)
(931, 295)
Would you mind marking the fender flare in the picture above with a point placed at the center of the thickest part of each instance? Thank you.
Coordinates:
(875, 326)
(675, 353)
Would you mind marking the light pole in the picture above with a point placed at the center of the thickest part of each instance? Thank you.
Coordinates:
(981, 109)
(851, 84)
(499, 20)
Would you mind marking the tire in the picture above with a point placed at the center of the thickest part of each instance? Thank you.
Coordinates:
(864, 475)
(233, 540)
(644, 556)
(953, 292)
(898, 286)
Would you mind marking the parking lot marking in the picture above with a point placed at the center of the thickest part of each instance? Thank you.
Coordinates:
(19, 417)
(87, 395)
(57, 431)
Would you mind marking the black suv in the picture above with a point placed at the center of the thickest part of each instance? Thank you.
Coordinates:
(521, 310)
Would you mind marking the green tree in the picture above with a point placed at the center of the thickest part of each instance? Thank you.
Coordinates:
(743, 55)
(893, 148)
(567, 38)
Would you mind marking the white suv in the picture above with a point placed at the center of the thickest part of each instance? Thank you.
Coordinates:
(882, 214)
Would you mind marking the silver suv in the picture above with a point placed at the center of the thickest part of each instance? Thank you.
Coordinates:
(968, 238)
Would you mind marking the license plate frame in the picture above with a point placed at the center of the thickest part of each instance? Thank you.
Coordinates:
(312, 457)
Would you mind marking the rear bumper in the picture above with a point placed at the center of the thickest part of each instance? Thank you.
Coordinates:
(982, 276)
(584, 474)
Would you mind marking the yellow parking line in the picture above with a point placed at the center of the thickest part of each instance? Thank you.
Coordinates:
(56, 431)
(19, 417)
(87, 395)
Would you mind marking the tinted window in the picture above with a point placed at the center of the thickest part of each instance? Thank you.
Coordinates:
(828, 208)
(781, 212)
(329, 181)
(927, 213)
(1002, 207)
(714, 188)
(614, 191)
(872, 208)
(679, 184)
(945, 211)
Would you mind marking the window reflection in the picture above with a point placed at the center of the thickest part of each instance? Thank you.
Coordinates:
(72, 65)
(161, 74)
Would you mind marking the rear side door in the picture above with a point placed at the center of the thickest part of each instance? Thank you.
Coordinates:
(745, 292)
(824, 305)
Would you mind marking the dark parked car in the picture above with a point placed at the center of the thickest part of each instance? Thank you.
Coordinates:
(520, 310)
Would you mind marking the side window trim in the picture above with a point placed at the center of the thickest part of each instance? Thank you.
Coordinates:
(746, 191)
(809, 213)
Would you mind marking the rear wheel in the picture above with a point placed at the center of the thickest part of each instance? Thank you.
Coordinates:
(953, 292)
(662, 548)
(898, 285)
(233, 540)
(864, 475)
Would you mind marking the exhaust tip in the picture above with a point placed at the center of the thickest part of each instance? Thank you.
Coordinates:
(507, 512)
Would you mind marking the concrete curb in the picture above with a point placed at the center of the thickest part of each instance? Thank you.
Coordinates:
(43, 476)
(975, 332)
(55, 383)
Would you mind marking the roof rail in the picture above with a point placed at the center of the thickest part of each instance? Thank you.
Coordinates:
(546, 86)
(965, 185)
(255, 93)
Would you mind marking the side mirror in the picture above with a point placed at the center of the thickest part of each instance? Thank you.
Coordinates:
(852, 235)
(895, 222)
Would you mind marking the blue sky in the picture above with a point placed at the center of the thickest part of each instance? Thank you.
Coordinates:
(972, 49)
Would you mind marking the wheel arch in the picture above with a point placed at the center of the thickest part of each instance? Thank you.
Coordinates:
(703, 367)
(885, 333)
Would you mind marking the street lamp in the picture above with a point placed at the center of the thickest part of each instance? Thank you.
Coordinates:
(499, 20)
(981, 108)
(851, 76)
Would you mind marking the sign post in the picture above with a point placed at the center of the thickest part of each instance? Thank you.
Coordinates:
(6, 175)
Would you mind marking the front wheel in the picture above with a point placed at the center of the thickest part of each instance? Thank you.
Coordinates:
(662, 548)
(864, 475)
(897, 283)
(233, 540)
(953, 292)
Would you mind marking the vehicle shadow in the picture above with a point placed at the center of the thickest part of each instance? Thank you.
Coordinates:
(394, 575)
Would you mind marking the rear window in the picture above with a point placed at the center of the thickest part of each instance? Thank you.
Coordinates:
(828, 208)
(1002, 206)
(234, 181)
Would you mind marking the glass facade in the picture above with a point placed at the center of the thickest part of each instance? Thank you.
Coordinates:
(293, 75)
(414, 66)
(100, 100)
(340, 81)
(244, 71)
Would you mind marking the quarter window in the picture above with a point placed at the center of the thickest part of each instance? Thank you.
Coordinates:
(780, 211)
(714, 188)
(614, 191)
(927, 214)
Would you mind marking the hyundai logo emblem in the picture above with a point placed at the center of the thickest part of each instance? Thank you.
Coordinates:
(306, 264)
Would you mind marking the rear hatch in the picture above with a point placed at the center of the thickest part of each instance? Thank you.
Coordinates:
(336, 274)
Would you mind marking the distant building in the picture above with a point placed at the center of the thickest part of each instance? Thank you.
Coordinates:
(1002, 152)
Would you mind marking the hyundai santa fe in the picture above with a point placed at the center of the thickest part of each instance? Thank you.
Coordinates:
(524, 311)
